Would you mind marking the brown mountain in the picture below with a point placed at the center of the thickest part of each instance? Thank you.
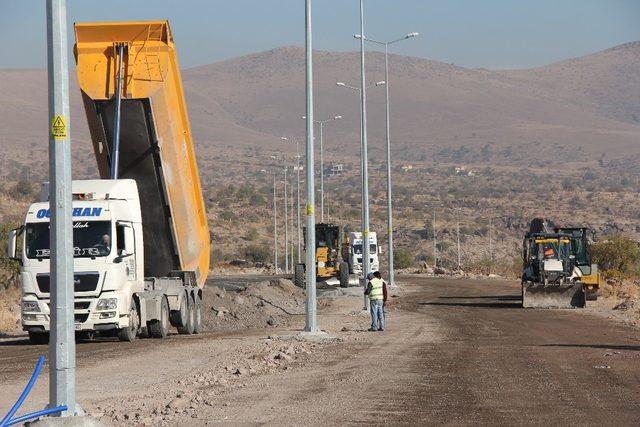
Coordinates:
(579, 109)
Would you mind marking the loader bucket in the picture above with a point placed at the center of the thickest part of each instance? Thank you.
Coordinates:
(536, 295)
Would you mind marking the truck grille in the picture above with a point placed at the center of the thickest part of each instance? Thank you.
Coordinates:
(83, 282)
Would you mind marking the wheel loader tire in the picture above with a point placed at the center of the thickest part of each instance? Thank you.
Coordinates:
(592, 295)
(344, 275)
(299, 276)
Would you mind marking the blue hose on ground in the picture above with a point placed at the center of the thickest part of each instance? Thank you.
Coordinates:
(25, 393)
(37, 414)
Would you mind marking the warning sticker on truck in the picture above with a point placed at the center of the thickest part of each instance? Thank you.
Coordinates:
(59, 127)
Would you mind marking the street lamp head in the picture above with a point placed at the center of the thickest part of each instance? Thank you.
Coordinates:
(304, 117)
(283, 138)
(358, 36)
(340, 84)
(381, 83)
(337, 117)
(410, 35)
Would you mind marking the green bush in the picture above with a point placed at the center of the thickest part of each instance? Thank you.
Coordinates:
(227, 215)
(402, 258)
(257, 253)
(617, 256)
(252, 234)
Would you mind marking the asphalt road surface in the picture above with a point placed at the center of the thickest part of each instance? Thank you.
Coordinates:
(454, 352)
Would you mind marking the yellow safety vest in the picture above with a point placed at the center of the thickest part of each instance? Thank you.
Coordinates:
(376, 293)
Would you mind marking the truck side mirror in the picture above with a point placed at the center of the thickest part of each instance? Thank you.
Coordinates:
(12, 243)
(379, 250)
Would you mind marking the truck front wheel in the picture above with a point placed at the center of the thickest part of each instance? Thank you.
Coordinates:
(129, 333)
(159, 328)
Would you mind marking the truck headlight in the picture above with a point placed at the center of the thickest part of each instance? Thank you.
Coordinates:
(107, 304)
(31, 306)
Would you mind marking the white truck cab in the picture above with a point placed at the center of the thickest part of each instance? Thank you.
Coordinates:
(110, 289)
(356, 252)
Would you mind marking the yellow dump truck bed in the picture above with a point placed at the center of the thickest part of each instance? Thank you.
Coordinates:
(156, 147)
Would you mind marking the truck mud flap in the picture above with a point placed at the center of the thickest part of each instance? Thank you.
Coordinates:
(536, 295)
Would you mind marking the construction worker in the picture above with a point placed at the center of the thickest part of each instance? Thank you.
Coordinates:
(377, 297)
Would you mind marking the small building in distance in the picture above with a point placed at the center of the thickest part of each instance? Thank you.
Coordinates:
(335, 169)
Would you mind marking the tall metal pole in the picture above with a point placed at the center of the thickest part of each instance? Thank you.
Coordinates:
(291, 240)
(458, 238)
(389, 201)
(490, 243)
(311, 325)
(365, 173)
(321, 175)
(286, 225)
(275, 226)
(298, 204)
(62, 344)
(435, 241)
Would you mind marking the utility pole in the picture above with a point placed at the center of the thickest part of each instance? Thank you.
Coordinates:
(298, 167)
(286, 225)
(275, 226)
(490, 244)
(311, 325)
(458, 238)
(435, 241)
(365, 171)
(388, 135)
(291, 240)
(62, 343)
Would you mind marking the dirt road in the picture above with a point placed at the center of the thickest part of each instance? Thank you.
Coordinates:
(457, 352)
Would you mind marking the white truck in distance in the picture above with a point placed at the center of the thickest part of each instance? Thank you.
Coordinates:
(356, 253)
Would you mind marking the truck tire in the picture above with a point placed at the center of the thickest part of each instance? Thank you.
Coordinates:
(197, 326)
(38, 338)
(179, 317)
(188, 328)
(344, 275)
(129, 334)
(299, 276)
(160, 328)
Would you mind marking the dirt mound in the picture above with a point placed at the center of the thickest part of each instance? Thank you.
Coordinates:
(9, 311)
(264, 304)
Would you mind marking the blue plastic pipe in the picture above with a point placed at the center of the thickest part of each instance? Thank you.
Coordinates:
(25, 393)
(36, 414)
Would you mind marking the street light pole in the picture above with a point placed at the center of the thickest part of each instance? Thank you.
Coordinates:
(435, 241)
(275, 226)
(311, 324)
(322, 123)
(458, 237)
(388, 135)
(298, 167)
(286, 225)
(62, 343)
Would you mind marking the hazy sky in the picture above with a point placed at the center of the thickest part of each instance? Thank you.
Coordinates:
(472, 33)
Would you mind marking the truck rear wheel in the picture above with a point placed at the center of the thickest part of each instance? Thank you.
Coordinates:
(179, 317)
(188, 328)
(344, 275)
(38, 338)
(159, 328)
(197, 326)
(299, 276)
(129, 333)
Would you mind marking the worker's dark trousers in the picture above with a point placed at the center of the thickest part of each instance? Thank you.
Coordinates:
(377, 314)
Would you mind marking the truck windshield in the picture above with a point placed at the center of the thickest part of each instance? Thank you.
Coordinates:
(357, 249)
(90, 239)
